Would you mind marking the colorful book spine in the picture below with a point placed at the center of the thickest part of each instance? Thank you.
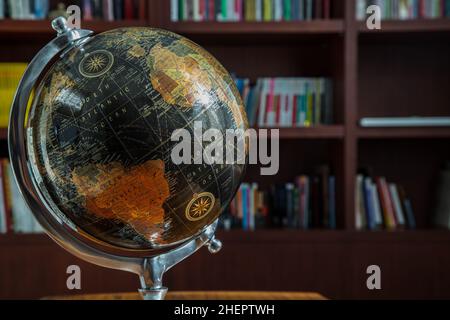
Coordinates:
(249, 10)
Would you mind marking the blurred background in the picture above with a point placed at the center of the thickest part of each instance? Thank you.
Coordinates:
(350, 191)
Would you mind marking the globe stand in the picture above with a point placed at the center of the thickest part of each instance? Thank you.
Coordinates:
(150, 269)
(155, 267)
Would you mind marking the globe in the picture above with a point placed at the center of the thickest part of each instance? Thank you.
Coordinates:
(99, 138)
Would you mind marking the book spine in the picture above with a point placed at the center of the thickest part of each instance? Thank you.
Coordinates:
(287, 14)
(128, 9)
(370, 216)
(332, 202)
(267, 10)
(376, 206)
(360, 219)
(386, 203)
(400, 217)
(174, 15)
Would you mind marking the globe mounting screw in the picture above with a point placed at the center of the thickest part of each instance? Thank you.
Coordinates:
(60, 25)
(214, 245)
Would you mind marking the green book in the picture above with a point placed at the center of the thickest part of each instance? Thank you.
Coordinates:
(224, 10)
(287, 10)
(267, 10)
(181, 10)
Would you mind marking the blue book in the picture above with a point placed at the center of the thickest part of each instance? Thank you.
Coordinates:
(368, 203)
(294, 9)
(41, 8)
(447, 8)
(332, 201)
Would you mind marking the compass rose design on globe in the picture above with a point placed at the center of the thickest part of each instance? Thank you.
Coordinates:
(200, 206)
(96, 63)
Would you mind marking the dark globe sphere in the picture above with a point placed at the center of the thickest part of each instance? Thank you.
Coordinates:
(100, 144)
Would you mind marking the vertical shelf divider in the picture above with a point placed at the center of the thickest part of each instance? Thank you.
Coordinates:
(350, 147)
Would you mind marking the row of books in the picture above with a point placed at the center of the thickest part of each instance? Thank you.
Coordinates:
(249, 10)
(287, 102)
(10, 75)
(15, 217)
(405, 9)
(308, 202)
(109, 10)
(382, 205)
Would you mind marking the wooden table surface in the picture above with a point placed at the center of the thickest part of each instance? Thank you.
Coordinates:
(202, 295)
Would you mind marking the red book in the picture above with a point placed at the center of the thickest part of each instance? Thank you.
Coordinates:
(294, 111)
(128, 9)
(266, 112)
(212, 11)
(277, 110)
(386, 203)
(202, 10)
(422, 8)
(238, 9)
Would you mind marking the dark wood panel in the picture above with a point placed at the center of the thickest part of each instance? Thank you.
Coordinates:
(404, 77)
(332, 263)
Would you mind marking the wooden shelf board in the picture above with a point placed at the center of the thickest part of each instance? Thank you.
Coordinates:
(404, 133)
(420, 25)
(319, 132)
(30, 27)
(284, 236)
(332, 26)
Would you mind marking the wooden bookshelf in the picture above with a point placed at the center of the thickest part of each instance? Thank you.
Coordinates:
(388, 72)
(406, 26)
(43, 27)
(335, 26)
(403, 133)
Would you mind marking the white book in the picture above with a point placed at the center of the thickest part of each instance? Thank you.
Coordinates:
(196, 10)
(361, 7)
(405, 122)
(21, 214)
(258, 10)
(37, 228)
(403, 10)
(376, 205)
(278, 10)
(399, 215)
(231, 12)
(25, 10)
(174, 10)
(2, 9)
